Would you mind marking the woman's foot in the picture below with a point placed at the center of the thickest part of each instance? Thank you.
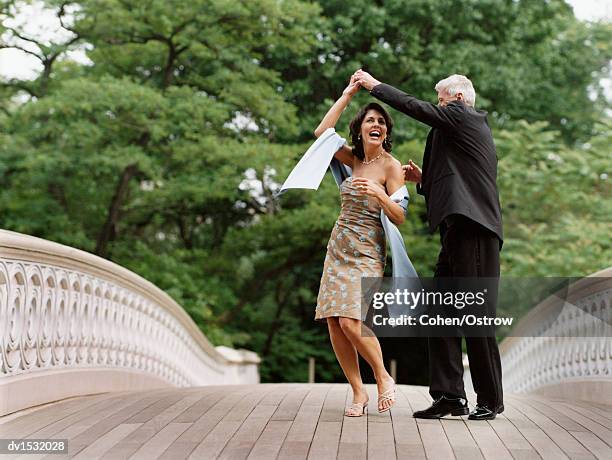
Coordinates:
(358, 407)
(386, 394)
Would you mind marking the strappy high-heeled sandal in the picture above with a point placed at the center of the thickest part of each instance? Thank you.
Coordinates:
(356, 409)
(389, 396)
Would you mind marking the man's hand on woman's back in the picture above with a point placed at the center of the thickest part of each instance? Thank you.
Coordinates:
(412, 173)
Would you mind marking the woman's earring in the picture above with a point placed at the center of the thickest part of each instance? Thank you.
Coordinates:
(359, 137)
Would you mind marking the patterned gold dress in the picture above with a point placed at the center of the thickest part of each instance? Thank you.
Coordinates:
(356, 249)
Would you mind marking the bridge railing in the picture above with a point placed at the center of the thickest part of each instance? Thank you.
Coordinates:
(72, 323)
(563, 346)
(570, 355)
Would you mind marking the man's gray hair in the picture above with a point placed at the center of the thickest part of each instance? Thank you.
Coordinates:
(458, 84)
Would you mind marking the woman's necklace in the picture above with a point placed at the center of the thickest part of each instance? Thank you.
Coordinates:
(367, 162)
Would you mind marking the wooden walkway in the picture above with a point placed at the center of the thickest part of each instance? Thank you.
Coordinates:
(299, 421)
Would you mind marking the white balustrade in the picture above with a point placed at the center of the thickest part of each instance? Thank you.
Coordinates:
(72, 323)
(563, 348)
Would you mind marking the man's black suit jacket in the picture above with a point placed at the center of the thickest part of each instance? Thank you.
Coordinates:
(460, 162)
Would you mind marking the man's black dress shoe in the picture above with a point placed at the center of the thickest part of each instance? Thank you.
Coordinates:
(444, 406)
(482, 412)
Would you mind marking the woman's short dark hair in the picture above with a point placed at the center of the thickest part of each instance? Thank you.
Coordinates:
(355, 128)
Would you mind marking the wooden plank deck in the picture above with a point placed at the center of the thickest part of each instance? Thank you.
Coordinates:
(302, 421)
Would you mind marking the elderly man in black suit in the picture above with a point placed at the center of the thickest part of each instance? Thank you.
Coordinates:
(458, 181)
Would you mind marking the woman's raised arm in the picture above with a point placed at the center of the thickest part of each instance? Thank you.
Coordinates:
(345, 154)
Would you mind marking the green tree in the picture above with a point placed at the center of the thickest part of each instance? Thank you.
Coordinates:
(556, 201)
(528, 60)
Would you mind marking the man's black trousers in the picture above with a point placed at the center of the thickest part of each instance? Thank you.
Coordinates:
(468, 250)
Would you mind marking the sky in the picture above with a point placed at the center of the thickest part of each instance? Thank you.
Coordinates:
(37, 23)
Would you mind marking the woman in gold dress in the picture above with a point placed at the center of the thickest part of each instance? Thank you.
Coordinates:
(357, 245)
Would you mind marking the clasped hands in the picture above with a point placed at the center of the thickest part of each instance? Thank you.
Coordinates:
(360, 79)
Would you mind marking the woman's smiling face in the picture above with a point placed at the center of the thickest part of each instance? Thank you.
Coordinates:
(373, 128)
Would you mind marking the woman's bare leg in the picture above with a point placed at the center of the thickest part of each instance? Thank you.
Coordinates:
(348, 359)
(369, 348)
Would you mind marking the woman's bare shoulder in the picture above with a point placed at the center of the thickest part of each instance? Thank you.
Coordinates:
(392, 164)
